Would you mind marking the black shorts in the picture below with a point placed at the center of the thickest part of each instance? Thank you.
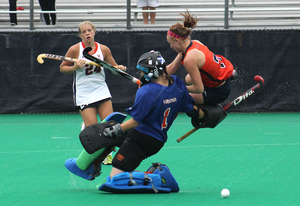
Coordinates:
(94, 104)
(217, 95)
(136, 147)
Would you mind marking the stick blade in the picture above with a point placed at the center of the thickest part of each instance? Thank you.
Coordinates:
(259, 79)
(40, 58)
(87, 50)
(90, 57)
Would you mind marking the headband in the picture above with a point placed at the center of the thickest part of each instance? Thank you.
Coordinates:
(172, 34)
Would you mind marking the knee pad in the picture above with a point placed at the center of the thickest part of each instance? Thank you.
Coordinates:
(214, 114)
(167, 179)
(92, 138)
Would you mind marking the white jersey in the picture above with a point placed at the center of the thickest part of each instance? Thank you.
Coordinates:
(89, 84)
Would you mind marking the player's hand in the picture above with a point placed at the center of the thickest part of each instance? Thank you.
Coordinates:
(79, 64)
(121, 67)
(113, 131)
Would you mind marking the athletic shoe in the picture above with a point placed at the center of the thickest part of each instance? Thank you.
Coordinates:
(108, 160)
(82, 126)
(90, 173)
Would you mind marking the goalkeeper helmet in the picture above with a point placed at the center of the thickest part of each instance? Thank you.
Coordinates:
(152, 64)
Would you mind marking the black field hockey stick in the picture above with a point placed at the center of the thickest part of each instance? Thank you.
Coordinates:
(235, 102)
(109, 66)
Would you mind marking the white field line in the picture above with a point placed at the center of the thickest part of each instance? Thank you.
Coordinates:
(179, 147)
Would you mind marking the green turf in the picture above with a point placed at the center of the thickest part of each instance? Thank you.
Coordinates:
(255, 156)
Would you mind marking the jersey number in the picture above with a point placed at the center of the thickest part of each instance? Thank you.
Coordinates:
(90, 70)
(217, 60)
(166, 114)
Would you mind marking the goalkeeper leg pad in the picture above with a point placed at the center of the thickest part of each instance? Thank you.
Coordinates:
(167, 179)
(90, 173)
(134, 182)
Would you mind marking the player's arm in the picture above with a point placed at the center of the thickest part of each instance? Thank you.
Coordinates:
(192, 62)
(129, 124)
(172, 67)
(69, 67)
(109, 58)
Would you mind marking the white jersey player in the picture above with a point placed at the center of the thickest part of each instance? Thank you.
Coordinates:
(91, 93)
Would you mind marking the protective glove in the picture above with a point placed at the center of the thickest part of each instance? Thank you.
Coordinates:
(113, 131)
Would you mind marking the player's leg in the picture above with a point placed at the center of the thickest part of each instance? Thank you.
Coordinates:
(152, 15)
(136, 147)
(104, 109)
(145, 15)
(89, 116)
(86, 161)
(217, 95)
(89, 112)
(133, 151)
(87, 165)
(52, 8)
(13, 7)
(43, 5)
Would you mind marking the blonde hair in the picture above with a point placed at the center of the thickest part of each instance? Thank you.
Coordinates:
(185, 29)
(84, 23)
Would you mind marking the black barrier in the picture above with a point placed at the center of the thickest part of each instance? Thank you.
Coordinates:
(30, 87)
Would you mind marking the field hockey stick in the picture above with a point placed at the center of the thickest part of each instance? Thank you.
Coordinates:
(109, 66)
(235, 102)
(41, 58)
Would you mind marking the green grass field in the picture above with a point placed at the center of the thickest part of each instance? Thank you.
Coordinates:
(255, 156)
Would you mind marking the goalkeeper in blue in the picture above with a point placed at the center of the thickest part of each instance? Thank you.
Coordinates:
(157, 103)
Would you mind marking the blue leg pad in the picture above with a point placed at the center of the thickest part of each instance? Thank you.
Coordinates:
(167, 179)
(90, 173)
(134, 182)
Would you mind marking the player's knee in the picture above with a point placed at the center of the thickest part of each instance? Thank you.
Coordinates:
(188, 79)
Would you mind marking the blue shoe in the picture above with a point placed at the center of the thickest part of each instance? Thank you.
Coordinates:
(90, 173)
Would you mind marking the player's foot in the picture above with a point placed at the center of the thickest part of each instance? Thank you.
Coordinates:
(108, 160)
(90, 173)
(234, 75)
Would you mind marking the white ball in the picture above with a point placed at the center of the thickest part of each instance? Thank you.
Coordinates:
(225, 193)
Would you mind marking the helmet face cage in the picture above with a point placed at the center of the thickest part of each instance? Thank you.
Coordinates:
(152, 64)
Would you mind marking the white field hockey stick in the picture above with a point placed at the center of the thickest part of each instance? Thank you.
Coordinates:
(41, 58)
(109, 66)
(235, 102)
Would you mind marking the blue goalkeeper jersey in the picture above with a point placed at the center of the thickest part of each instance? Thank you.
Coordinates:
(156, 107)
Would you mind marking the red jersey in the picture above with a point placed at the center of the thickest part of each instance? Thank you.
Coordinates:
(216, 68)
